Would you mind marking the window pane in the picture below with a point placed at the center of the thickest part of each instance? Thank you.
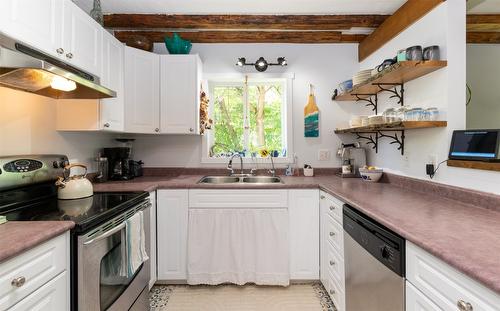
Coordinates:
(228, 120)
(265, 115)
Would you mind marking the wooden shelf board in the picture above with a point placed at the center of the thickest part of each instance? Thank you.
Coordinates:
(398, 73)
(490, 166)
(394, 126)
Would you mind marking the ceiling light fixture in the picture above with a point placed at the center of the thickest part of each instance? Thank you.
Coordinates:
(261, 64)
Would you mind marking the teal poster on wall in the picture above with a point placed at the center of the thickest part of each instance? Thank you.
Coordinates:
(311, 117)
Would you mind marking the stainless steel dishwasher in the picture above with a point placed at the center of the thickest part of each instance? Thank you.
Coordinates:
(374, 265)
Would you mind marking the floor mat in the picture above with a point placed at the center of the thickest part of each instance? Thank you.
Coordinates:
(297, 297)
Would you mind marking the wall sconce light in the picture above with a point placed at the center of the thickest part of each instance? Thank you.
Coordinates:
(261, 64)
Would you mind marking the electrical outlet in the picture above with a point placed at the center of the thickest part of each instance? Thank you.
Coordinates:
(432, 159)
(323, 154)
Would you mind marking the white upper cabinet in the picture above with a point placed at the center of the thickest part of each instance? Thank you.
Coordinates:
(82, 37)
(40, 26)
(180, 94)
(142, 91)
(112, 109)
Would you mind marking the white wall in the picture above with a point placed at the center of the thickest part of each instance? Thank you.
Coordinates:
(445, 89)
(483, 77)
(27, 126)
(322, 65)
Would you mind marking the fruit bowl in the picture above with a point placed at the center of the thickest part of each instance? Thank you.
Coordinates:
(371, 174)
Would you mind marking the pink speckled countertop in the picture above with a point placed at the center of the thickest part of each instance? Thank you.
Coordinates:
(465, 236)
(19, 236)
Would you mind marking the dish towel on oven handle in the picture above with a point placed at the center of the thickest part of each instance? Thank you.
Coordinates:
(238, 246)
(133, 245)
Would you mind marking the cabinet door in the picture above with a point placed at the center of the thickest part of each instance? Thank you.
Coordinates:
(303, 210)
(53, 296)
(82, 37)
(416, 301)
(112, 109)
(172, 229)
(37, 23)
(180, 92)
(142, 91)
(152, 249)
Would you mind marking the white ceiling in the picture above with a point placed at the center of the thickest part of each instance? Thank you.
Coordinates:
(246, 6)
(483, 7)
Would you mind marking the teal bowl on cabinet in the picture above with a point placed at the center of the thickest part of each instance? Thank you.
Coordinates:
(177, 45)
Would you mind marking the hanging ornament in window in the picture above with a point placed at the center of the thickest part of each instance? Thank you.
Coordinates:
(205, 121)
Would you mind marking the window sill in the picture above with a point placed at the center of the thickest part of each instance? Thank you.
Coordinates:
(258, 161)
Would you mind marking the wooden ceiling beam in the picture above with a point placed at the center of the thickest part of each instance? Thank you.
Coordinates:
(483, 37)
(483, 22)
(404, 17)
(225, 22)
(248, 36)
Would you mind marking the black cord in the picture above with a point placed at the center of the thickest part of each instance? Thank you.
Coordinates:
(434, 173)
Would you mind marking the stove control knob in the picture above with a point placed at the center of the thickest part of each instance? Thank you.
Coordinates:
(386, 254)
(55, 164)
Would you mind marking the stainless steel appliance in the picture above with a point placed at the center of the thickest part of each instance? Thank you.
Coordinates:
(374, 265)
(27, 69)
(29, 193)
(354, 155)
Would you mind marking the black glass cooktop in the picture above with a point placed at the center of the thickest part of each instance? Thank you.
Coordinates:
(41, 203)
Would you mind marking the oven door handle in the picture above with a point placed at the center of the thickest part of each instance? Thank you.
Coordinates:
(106, 234)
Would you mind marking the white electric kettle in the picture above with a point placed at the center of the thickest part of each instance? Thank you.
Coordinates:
(74, 187)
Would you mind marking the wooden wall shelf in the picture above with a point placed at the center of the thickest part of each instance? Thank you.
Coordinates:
(394, 126)
(396, 74)
(479, 165)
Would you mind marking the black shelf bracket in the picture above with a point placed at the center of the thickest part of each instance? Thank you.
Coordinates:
(370, 140)
(370, 102)
(399, 95)
(396, 140)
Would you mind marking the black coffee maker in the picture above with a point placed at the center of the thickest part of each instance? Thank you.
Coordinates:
(119, 163)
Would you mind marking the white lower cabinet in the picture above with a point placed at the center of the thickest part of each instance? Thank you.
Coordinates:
(444, 286)
(303, 212)
(332, 274)
(37, 279)
(172, 229)
(153, 247)
(416, 301)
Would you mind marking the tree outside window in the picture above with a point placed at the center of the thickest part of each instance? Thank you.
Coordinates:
(248, 117)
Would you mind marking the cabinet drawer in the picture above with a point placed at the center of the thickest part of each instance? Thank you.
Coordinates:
(444, 285)
(333, 206)
(245, 198)
(37, 266)
(53, 296)
(335, 265)
(334, 234)
(337, 294)
(416, 301)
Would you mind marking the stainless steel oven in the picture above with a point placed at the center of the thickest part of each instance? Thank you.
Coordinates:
(100, 285)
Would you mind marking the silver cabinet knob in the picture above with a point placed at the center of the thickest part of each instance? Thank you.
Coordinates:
(157, 130)
(332, 262)
(322, 197)
(464, 306)
(332, 233)
(60, 51)
(69, 55)
(106, 125)
(18, 282)
(332, 208)
(332, 291)
(191, 129)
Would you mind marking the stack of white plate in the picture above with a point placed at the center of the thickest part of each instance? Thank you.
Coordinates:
(361, 76)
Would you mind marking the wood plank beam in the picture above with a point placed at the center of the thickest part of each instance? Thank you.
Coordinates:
(405, 16)
(483, 37)
(483, 22)
(224, 22)
(248, 36)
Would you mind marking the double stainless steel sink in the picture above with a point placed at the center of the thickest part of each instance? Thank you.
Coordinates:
(240, 180)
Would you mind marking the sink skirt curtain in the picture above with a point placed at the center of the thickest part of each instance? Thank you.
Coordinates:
(238, 246)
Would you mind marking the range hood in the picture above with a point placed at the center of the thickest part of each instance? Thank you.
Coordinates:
(26, 69)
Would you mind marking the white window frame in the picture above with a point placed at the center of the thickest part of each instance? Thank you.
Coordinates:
(288, 120)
